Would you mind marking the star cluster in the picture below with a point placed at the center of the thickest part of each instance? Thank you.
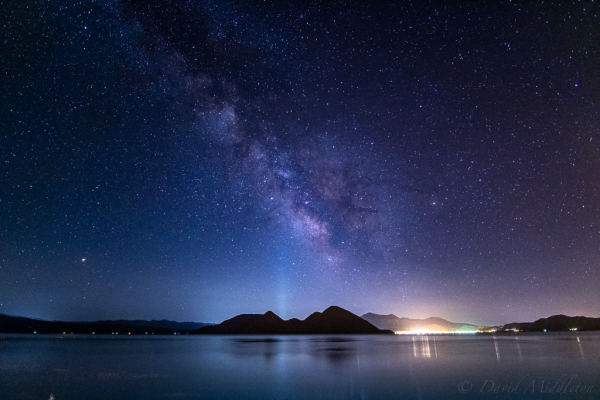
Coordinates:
(196, 160)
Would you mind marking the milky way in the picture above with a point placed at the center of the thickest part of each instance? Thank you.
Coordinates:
(207, 159)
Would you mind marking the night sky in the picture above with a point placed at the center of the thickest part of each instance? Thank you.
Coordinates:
(197, 160)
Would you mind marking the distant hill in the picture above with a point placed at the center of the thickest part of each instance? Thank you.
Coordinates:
(556, 323)
(334, 320)
(163, 323)
(520, 326)
(396, 324)
(11, 324)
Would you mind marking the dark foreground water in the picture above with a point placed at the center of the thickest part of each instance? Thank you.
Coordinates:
(542, 366)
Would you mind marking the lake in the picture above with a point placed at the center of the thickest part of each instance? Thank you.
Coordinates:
(502, 366)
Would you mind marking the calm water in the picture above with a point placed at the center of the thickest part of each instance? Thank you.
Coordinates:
(543, 366)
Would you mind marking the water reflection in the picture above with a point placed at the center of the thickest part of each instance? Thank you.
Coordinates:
(334, 339)
(422, 346)
(267, 347)
(497, 349)
(301, 367)
(336, 350)
(580, 348)
(259, 340)
(339, 355)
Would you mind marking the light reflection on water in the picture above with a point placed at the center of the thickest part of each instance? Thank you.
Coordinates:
(301, 367)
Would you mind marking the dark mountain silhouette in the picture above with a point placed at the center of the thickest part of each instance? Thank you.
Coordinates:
(396, 324)
(268, 323)
(11, 324)
(557, 323)
(163, 323)
(334, 320)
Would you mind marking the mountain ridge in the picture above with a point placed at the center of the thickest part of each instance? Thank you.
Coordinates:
(15, 324)
(271, 323)
(334, 320)
(396, 324)
(556, 323)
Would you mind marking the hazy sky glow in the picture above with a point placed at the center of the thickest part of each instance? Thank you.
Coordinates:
(206, 159)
